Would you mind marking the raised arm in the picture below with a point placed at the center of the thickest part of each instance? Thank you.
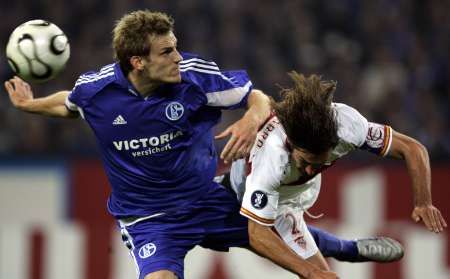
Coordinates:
(243, 132)
(418, 164)
(21, 97)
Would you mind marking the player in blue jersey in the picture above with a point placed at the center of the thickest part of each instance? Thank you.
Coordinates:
(152, 113)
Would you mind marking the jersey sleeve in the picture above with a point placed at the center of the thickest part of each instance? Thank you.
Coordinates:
(221, 89)
(76, 100)
(260, 201)
(352, 126)
(378, 139)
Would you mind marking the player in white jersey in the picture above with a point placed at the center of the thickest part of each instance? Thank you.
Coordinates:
(281, 179)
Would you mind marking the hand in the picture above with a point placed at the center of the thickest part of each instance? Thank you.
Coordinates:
(19, 92)
(321, 274)
(431, 217)
(243, 134)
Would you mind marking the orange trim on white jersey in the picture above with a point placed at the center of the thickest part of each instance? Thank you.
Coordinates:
(387, 140)
(263, 221)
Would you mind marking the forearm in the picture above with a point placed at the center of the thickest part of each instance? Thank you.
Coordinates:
(52, 105)
(418, 165)
(266, 243)
(243, 132)
(258, 107)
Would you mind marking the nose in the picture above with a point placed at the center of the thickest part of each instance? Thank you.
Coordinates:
(310, 170)
(178, 58)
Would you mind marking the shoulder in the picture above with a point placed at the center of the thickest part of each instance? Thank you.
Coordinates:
(195, 63)
(222, 89)
(271, 134)
(270, 153)
(207, 75)
(352, 126)
(195, 69)
(93, 81)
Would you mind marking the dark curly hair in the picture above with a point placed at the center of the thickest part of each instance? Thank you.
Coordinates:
(306, 114)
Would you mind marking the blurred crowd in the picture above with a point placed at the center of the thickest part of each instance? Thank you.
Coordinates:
(391, 58)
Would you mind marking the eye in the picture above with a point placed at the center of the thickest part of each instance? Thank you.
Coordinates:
(167, 51)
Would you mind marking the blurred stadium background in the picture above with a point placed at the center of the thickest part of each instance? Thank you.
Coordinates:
(391, 60)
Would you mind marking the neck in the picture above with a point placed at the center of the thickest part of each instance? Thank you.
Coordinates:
(143, 85)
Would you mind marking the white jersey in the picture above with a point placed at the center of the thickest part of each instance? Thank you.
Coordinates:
(269, 182)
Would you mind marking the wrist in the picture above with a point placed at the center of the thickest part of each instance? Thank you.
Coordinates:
(422, 202)
(425, 204)
(253, 119)
(24, 105)
(309, 272)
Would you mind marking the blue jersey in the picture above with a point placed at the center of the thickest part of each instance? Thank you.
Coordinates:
(158, 152)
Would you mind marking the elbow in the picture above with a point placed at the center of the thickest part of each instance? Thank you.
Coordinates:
(415, 151)
(257, 92)
(422, 148)
(418, 148)
(259, 95)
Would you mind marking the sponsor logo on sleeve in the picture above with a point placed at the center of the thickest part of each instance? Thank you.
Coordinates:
(375, 136)
(259, 199)
(147, 250)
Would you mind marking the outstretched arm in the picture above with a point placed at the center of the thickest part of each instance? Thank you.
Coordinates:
(418, 164)
(21, 97)
(243, 132)
(267, 244)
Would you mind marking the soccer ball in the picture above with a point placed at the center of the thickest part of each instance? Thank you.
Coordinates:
(37, 50)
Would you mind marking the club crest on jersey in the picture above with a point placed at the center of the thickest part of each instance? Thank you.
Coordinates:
(147, 250)
(375, 136)
(259, 199)
(174, 111)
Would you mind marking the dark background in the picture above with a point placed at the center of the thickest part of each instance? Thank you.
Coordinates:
(391, 58)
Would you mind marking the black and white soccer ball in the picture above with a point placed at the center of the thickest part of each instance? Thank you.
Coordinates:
(37, 50)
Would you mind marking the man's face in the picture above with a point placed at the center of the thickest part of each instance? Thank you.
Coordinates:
(161, 66)
(308, 163)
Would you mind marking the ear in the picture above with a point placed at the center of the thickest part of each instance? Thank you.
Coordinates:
(137, 63)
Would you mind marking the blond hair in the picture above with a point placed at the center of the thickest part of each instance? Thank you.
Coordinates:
(131, 34)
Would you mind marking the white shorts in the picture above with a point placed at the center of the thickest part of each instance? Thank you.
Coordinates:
(292, 228)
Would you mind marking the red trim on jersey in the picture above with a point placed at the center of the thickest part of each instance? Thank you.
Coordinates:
(271, 115)
(251, 215)
(387, 138)
(248, 167)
